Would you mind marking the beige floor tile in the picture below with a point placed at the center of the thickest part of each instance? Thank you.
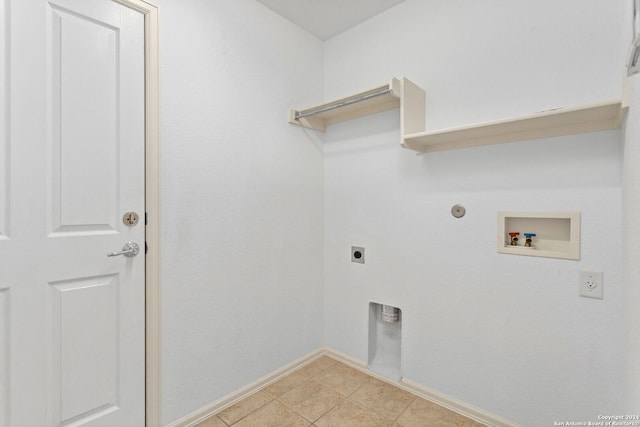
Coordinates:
(350, 414)
(383, 398)
(342, 378)
(211, 422)
(245, 407)
(282, 386)
(317, 366)
(311, 399)
(319, 390)
(424, 413)
(273, 414)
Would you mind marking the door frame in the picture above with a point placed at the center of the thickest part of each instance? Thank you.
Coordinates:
(152, 209)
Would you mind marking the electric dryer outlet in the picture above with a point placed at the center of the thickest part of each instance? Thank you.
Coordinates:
(357, 254)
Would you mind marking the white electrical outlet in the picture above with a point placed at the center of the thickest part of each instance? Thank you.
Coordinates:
(591, 284)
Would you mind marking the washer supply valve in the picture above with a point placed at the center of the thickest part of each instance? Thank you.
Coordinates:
(514, 239)
(528, 242)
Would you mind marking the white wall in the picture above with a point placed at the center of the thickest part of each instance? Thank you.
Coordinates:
(506, 333)
(631, 205)
(241, 199)
(631, 226)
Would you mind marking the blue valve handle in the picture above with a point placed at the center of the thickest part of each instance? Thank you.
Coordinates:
(529, 234)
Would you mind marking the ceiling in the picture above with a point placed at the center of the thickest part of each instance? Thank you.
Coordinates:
(326, 18)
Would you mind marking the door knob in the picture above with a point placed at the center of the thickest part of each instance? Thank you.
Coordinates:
(130, 249)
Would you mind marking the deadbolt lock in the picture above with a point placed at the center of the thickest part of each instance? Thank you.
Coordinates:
(130, 218)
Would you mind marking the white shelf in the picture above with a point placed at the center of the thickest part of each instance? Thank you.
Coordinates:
(557, 234)
(320, 121)
(401, 93)
(410, 98)
(559, 122)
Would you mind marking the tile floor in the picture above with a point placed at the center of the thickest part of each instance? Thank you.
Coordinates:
(327, 393)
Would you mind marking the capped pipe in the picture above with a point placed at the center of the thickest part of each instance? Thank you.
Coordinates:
(390, 314)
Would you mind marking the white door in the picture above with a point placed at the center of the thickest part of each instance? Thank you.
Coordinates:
(72, 164)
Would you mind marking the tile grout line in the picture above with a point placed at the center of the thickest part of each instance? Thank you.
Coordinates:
(311, 377)
(277, 398)
(369, 409)
(344, 398)
(250, 413)
(322, 415)
(413, 398)
(405, 409)
(308, 378)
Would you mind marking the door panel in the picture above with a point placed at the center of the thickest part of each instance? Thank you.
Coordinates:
(84, 112)
(85, 339)
(71, 318)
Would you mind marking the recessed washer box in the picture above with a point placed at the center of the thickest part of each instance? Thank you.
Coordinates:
(557, 234)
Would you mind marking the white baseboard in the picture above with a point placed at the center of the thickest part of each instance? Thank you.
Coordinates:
(419, 390)
(224, 402)
(456, 405)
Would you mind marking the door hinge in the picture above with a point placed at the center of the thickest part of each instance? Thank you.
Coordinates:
(146, 218)
(146, 248)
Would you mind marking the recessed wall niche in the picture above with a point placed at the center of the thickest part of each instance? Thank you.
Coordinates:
(543, 234)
